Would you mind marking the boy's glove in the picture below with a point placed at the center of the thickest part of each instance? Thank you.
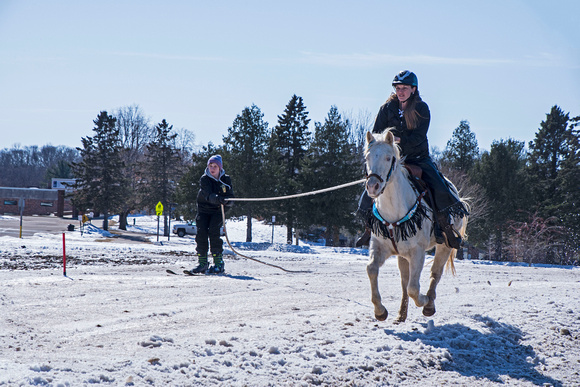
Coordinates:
(222, 200)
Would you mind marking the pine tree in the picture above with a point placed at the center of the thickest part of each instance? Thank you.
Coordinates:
(461, 151)
(288, 145)
(100, 183)
(331, 160)
(245, 148)
(554, 169)
(161, 171)
(501, 173)
(546, 154)
(569, 186)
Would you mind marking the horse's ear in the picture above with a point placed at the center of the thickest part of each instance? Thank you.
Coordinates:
(389, 137)
(370, 139)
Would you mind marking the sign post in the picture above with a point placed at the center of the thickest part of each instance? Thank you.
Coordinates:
(63, 256)
(21, 208)
(159, 212)
(273, 220)
(84, 219)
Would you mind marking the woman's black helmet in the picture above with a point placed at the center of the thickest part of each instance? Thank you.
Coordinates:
(406, 77)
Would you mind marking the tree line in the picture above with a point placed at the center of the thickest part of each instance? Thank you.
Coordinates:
(524, 201)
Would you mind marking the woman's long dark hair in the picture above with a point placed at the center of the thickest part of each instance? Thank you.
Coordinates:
(411, 115)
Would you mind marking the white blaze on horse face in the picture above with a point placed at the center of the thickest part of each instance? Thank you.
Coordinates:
(378, 163)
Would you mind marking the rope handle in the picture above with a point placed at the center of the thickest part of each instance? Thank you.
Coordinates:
(254, 259)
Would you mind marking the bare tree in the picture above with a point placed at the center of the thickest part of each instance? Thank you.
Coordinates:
(184, 142)
(469, 191)
(533, 241)
(135, 133)
(359, 124)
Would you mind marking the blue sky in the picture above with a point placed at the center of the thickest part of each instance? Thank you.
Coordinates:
(500, 64)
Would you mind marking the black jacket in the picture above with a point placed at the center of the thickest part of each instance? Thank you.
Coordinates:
(210, 189)
(414, 144)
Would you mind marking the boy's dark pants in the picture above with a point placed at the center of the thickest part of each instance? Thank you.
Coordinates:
(208, 226)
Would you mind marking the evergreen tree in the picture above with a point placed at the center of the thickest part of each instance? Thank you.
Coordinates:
(554, 169)
(245, 147)
(100, 182)
(161, 171)
(288, 145)
(569, 186)
(501, 174)
(461, 151)
(547, 152)
(332, 160)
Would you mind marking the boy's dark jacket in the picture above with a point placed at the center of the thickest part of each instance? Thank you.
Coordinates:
(211, 189)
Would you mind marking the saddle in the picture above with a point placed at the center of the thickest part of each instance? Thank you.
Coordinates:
(416, 173)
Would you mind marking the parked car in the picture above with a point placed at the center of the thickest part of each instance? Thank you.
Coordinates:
(181, 229)
(189, 228)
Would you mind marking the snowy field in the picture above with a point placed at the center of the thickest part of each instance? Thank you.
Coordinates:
(119, 319)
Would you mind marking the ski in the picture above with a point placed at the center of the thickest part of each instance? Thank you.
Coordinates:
(185, 272)
(190, 274)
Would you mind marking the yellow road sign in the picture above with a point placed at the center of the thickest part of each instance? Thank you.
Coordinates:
(159, 209)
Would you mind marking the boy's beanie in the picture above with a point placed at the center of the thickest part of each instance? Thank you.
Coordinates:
(217, 159)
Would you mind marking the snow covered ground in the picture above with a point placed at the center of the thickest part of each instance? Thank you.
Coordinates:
(119, 319)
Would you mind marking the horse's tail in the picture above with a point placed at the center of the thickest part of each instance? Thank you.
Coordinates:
(450, 266)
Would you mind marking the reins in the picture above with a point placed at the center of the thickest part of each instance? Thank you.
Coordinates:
(278, 198)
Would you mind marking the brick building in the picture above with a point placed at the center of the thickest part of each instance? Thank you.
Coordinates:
(34, 201)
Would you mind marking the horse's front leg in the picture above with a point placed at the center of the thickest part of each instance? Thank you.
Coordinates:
(442, 254)
(377, 258)
(404, 270)
(416, 263)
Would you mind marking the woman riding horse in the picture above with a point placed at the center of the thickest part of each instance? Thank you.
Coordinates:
(408, 117)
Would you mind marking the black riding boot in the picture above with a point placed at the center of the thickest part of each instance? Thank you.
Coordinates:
(452, 237)
(365, 204)
(365, 238)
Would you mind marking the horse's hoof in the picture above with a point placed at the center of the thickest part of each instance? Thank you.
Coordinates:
(429, 311)
(400, 320)
(382, 317)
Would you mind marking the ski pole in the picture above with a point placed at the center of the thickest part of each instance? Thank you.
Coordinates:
(63, 256)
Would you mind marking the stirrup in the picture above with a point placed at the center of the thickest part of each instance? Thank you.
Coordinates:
(364, 240)
(452, 237)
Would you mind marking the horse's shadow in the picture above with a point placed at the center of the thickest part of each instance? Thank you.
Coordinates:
(482, 355)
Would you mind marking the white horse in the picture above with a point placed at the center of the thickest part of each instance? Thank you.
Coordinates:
(403, 226)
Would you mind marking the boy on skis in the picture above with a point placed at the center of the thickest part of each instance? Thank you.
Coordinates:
(215, 190)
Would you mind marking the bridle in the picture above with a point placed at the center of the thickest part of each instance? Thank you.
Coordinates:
(379, 178)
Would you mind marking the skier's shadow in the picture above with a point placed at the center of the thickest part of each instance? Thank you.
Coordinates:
(240, 277)
(482, 355)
